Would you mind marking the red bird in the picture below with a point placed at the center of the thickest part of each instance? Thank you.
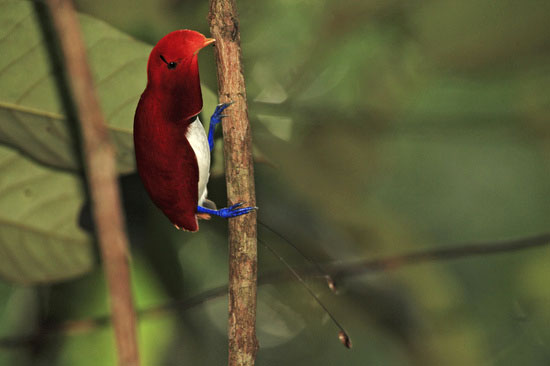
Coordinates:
(172, 150)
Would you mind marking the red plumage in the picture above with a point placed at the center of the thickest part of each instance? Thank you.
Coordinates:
(165, 159)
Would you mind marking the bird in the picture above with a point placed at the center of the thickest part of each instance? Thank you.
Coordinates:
(171, 147)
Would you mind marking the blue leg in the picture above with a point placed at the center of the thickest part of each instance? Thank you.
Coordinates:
(214, 120)
(227, 212)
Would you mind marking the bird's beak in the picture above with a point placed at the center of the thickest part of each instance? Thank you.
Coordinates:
(207, 41)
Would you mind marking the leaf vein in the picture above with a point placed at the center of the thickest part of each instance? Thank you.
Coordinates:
(42, 204)
(38, 140)
(20, 108)
(31, 88)
(17, 25)
(6, 222)
(28, 110)
(121, 106)
(116, 70)
(37, 264)
(13, 186)
(12, 62)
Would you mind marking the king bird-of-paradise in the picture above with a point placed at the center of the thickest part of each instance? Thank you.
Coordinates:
(172, 149)
(171, 146)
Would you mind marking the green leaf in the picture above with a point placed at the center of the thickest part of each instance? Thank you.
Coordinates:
(36, 245)
(40, 240)
(31, 114)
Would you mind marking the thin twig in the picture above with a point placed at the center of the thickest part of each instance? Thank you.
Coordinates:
(439, 254)
(239, 175)
(99, 160)
(357, 268)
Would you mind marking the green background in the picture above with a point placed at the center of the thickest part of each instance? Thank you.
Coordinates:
(380, 128)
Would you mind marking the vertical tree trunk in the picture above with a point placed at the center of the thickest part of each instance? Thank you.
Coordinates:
(239, 174)
(99, 161)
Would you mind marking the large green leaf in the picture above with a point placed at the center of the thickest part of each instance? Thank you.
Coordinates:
(39, 237)
(40, 240)
(31, 114)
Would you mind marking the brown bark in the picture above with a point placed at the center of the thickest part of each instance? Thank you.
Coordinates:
(99, 160)
(239, 174)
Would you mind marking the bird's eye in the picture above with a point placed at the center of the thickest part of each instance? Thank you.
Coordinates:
(170, 65)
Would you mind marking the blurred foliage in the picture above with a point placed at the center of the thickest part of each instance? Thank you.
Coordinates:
(380, 127)
(33, 115)
(36, 245)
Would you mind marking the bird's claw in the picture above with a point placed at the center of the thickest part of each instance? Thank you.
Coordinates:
(217, 116)
(234, 210)
(227, 212)
(215, 120)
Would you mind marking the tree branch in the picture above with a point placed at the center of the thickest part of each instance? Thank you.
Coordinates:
(439, 254)
(343, 270)
(99, 161)
(239, 175)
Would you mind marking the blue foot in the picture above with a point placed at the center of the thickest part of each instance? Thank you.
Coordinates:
(227, 212)
(214, 121)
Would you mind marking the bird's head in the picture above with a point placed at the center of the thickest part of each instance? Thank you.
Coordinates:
(173, 67)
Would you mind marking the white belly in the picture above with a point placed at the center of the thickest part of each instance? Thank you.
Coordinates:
(197, 138)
